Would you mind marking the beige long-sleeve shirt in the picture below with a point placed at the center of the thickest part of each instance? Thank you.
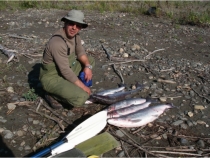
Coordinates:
(56, 51)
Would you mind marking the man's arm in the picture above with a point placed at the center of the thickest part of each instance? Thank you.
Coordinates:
(88, 72)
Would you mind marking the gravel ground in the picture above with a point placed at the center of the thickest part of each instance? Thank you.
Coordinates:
(172, 62)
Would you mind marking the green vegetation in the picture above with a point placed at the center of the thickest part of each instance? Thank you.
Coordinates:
(21, 68)
(30, 95)
(180, 12)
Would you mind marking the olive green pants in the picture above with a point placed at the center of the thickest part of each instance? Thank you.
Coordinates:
(61, 89)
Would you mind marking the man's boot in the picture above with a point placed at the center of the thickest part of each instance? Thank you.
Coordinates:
(53, 103)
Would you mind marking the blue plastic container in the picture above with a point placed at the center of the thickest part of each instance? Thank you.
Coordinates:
(82, 78)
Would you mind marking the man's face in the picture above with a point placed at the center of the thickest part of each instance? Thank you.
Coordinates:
(72, 28)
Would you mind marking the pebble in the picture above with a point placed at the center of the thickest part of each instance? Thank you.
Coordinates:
(176, 123)
(20, 148)
(199, 107)
(3, 120)
(22, 143)
(35, 122)
(189, 123)
(1, 130)
(163, 99)
(121, 154)
(200, 143)
(183, 126)
(7, 134)
(11, 106)
(183, 141)
(190, 114)
(20, 133)
(27, 147)
(30, 119)
(10, 90)
(125, 55)
(119, 133)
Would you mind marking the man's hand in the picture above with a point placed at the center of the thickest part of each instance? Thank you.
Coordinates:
(81, 85)
(88, 74)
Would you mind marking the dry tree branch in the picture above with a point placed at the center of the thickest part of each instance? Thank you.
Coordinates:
(49, 117)
(60, 117)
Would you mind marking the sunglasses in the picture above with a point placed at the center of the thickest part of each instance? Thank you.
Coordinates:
(72, 23)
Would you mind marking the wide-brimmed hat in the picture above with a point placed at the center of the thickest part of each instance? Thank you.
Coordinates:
(76, 16)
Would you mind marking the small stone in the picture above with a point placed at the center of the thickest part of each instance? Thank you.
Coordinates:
(199, 107)
(35, 122)
(119, 133)
(153, 136)
(163, 99)
(165, 136)
(183, 126)
(20, 133)
(27, 147)
(11, 106)
(183, 141)
(133, 87)
(30, 119)
(23, 143)
(10, 90)
(201, 122)
(8, 134)
(121, 50)
(200, 143)
(190, 114)
(121, 154)
(125, 55)
(189, 123)
(176, 123)
(1, 130)
(20, 148)
(135, 47)
(3, 120)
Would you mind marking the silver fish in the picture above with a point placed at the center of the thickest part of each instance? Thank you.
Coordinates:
(113, 98)
(125, 103)
(141, 117)
(110, 91)
(127, 110)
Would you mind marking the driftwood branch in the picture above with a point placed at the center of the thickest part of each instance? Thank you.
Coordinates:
(49, 117)
(200, 95)
(54, 113)
(119, 74)
(147, 57)
(177, 153)
(129, 61)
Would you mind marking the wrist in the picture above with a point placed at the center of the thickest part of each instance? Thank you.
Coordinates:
(89, 66)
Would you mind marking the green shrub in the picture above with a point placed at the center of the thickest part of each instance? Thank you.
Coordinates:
(30, 95)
